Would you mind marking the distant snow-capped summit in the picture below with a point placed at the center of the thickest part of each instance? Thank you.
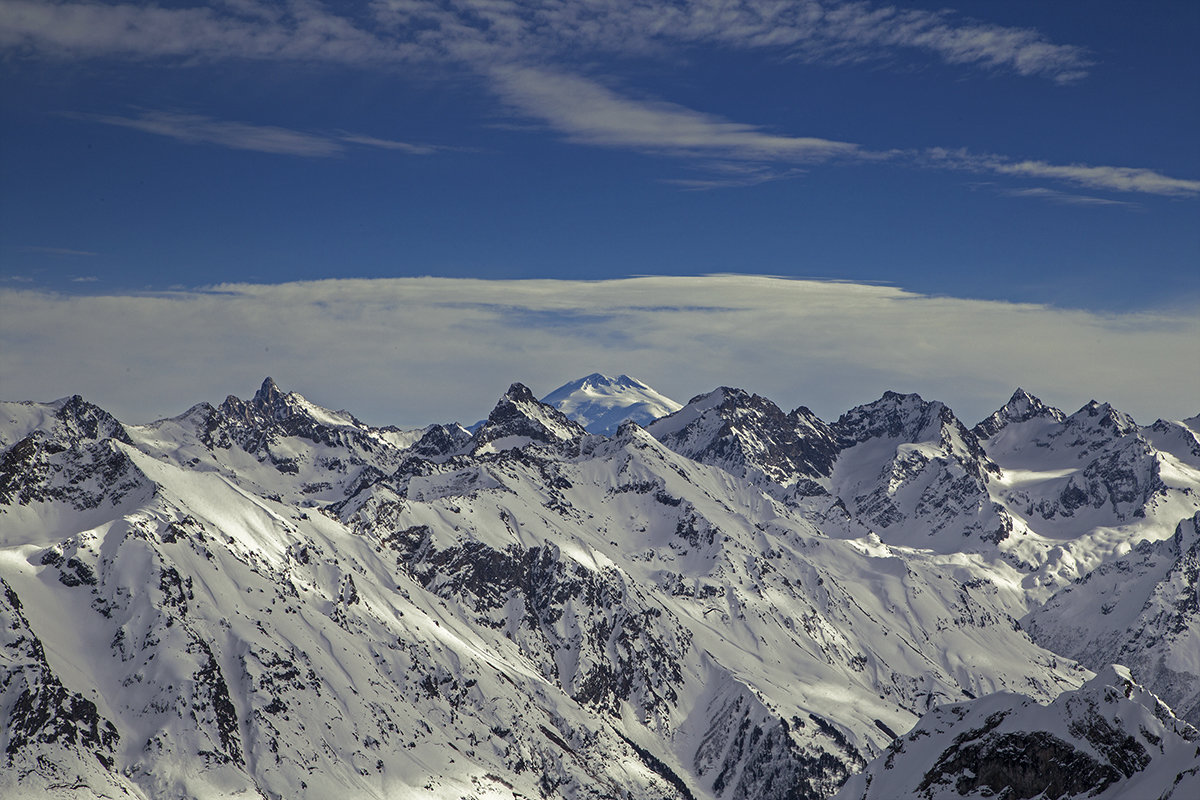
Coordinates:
(600, 403)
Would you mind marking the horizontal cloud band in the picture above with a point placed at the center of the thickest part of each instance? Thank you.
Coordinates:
(418, 350)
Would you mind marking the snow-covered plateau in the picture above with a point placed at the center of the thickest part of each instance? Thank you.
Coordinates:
(602, 594)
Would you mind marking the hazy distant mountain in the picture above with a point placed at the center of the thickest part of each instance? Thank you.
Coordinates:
(600, 403)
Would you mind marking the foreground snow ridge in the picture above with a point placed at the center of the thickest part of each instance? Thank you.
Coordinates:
(602, 594)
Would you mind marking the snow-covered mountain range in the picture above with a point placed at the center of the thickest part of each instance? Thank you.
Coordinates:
(602, 594)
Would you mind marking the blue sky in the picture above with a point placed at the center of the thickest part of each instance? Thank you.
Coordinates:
(170, 162)
(1027, 151)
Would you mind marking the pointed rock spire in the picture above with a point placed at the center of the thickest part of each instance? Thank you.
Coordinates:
(1021, 407)
(519, 417)
(268, 394)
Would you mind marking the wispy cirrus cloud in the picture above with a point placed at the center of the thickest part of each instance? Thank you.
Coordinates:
(829, 32)
(734, 174)
(590, 113)
(407, 30)
(200, 129)
(412, 30)
(468, 339)
(587, 112)
(1119, 179)
(388, 144)
(540, 46)
(56, 251)
(1064, 198)
(248, 30)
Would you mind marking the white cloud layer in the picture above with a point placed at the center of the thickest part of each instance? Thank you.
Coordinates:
(199, 129)
(592, 114)
(1064, 198)
(1119, 179)
(412, 351)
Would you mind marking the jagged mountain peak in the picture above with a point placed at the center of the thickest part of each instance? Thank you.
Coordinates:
(895, 415)
(722, 396)
(268, 394)
(601, 403)
(1104, 415)
(66, 422)
(519, 418)
(89, 421)
(270, 404)
(519, 393)
(744, 433)
(709, 414)
(912, 470)
(628, 429)
(1021, 407)
(441, 440)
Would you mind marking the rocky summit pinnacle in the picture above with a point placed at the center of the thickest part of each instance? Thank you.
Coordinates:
(519, 417)
(520, 393)
(268, 394)
(1021, 407)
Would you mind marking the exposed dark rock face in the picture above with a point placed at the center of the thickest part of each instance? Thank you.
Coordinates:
(82, 420)
(744, 434)
(273, 414)
(1021, 407)
(43, 715)
(82, 473)
(621, 647)
(933, 485)
(1024, 765)
(1109, 733)
(441, 440)
(909, 418)
(520, 415)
